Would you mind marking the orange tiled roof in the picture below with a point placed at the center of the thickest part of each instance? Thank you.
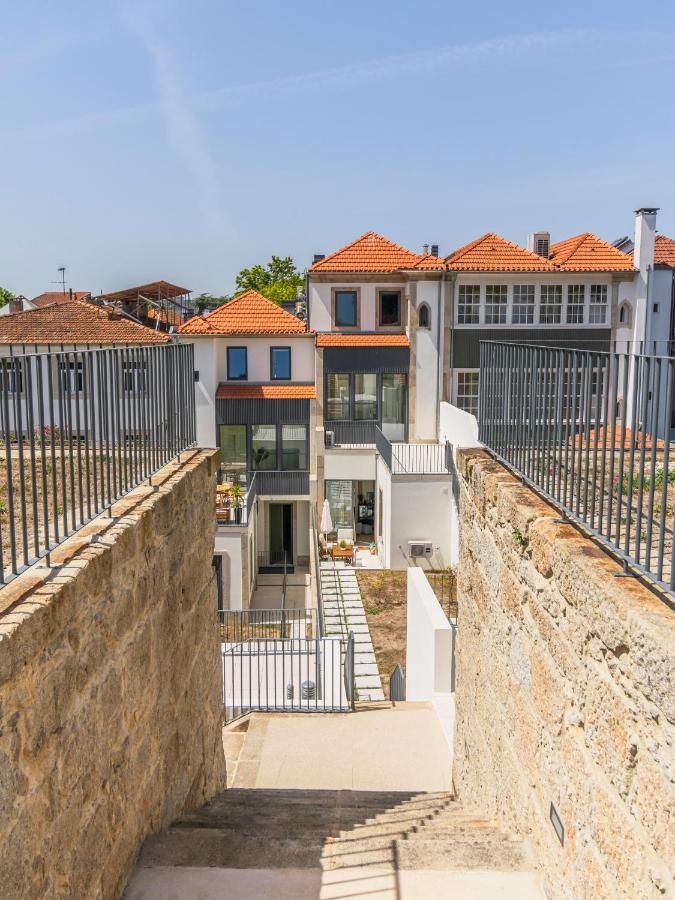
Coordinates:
(430, 263)
(50, 297)
(230, 391)
(249, 313)
(75, 323)
(664, 251)
(369, 253)
(335, 339)
(493, 253)
(589, 253)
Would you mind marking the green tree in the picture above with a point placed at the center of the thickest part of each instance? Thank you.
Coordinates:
(208, 301)
(5, 296)
(278, 280)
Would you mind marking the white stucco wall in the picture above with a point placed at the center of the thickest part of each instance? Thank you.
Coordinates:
(205, 389)
(426, 362)
(429, 651)
(457, 426)
(420, 511)
(383, 512)
(320, 294)
(228, 545)
(352, 465)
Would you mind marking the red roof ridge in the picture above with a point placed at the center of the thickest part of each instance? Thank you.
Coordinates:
(456, 257)
(573, 243)
(378, 244)
(279, 321)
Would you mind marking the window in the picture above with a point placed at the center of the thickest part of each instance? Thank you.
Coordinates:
(72, 377)
(280, 363)
(598, 308)
(264, 446)
(424, 316)
(468, 307)
(134, 377)
(390, 307)
(551, 304)
(495, 304)
(337, 398)
(340, 502)
(467, 392)
(294, 447)
(393, 406)
(523, 304)
(575, 304)
(12, 370)
(233, 452)
(345, 313)
(365, 396)
(624, 314)
(237, 364)
(655, 308)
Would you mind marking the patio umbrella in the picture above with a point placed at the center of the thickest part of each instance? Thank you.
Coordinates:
(326, 521)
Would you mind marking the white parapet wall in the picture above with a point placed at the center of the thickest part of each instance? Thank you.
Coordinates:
(460, 428)
(429, 651)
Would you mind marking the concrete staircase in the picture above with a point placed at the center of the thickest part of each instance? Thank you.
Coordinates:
(365, 839)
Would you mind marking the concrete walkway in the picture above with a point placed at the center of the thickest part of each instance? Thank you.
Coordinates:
(343, 612)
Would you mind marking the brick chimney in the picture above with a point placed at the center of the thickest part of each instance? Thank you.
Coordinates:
(16, 305)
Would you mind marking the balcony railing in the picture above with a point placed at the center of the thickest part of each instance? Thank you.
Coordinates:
(346, 431)
(294, 483)
(414, 459)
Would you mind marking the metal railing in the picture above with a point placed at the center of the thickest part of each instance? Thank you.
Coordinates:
(79, 430)
(288, 675)
(238, 625)
(443, 583)
(351, 431)
(414, 459)
(317, 569)
(591, 432)
(239, 514)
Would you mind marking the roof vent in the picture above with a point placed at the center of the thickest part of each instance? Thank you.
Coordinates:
(318, 257)
(434, 250)
(539, 242)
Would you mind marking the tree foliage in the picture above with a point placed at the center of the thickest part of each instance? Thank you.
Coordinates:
(278, 280)
(208, 301)
(5, 296)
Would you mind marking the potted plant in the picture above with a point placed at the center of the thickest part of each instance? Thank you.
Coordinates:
(235, 494)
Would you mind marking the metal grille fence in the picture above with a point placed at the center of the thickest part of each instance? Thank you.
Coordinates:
(78, 430)
(238, 625)
(591, 432)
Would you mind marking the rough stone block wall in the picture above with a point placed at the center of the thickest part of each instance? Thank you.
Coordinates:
(110, 691)
(565, 694)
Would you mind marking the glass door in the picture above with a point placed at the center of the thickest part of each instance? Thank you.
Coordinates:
(393, 406)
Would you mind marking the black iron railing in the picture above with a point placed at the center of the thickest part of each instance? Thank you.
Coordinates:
(591, 432)
(282, 482)
(314, 534)
(238, 625)
(79, 430)
(346, 431)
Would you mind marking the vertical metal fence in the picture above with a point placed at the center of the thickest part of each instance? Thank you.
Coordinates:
(591, 432)
(78, 430)
(316, 574)
(288, 675)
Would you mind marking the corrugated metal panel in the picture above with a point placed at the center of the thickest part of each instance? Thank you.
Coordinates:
(466, 341)
(366, 359)
(262, 412)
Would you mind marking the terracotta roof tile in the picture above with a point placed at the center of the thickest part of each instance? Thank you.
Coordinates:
(335, 339)
(249, 313)
(664, 251)
(369, 253)
(239, 391)
(589, 253)
(50, 297)
(430, 263)
(75, 323)
(493, 253)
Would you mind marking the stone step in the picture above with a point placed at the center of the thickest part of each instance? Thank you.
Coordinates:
(469, 853)
(348, 859)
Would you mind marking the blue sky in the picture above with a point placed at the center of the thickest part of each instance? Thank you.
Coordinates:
(177, 140)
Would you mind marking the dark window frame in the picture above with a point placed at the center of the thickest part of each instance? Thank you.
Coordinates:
(243, 377)
(357, 308)
(380, 293)
(424, 316)
(274, 377)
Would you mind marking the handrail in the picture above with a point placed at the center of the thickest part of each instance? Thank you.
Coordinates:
(317, 571)
(283, 597)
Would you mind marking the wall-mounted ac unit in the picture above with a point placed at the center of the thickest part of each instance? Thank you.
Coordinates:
(418, 549)
(330, 439)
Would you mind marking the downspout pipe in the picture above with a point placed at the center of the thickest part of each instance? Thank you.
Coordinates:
(439, 354)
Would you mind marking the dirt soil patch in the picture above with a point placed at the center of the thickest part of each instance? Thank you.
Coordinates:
(383, 592)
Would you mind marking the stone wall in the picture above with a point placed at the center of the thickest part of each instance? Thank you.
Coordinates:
(110, 691)
(565, 694)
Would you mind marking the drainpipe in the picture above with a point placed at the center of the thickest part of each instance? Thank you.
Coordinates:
(439, 354)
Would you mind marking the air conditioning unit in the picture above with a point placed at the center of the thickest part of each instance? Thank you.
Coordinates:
(330, 439)
(417, 549)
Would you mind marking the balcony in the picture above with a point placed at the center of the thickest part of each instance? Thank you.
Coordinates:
(234, 503)
(414, 459)
(277, 482)
(358, 432)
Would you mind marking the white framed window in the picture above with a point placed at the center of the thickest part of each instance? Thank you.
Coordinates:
(550, 304)
(72, 376)
(12, 375)
(134, 376)
(496, 296)
(523, 304)
(467, 392)
(575, 304)
(468, 306)
(597, 312)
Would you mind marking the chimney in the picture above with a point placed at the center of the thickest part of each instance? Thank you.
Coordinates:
(539, 242)
(318, 257)
(645, 231)
(434, 250)
(16, 305)
(425, 249)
